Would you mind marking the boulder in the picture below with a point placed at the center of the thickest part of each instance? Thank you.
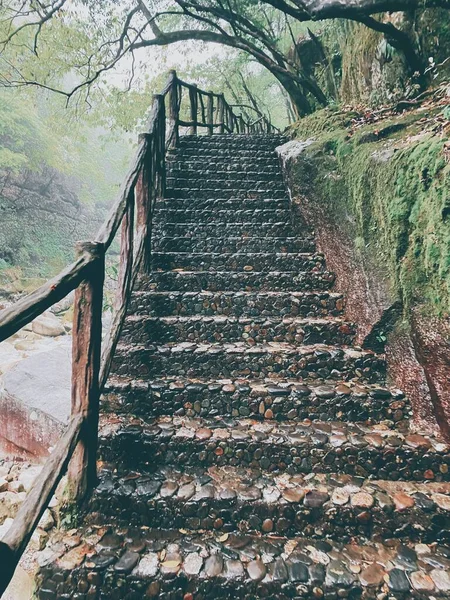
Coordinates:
(48, 325)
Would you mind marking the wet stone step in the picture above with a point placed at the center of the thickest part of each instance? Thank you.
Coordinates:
(226, 229)
(250, 330)
(291, 447)
(280, 400)
(239, 304)
(230, 182)
(219, 191)
(244, 215)
(224, 203)
(239, 187)
(233, 143)
(239, 261)
(194, 281)
(258, 140)
(269, 157)
(204, 155)
(232, 244)
(222, 170)
(144, 563)
(222, 174)
(234, 499)
(260, 147)
(230, 165)
(217, 147)
(241, 360)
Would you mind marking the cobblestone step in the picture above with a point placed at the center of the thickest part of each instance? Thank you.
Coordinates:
(238, 261)
(223, 172)
(292, 447)
(240, 304)
(217, 191)
(224, 154)
(220, 170)
(232, 244)
(195, 281)
(223, 204)
(219, 150)
(235, 499)
(261, 181)
(200, 216)
(231, 164)
(241, 360)
(134, 563)
(226, 229)
(250, 330)
(258, 140)
(265, 399)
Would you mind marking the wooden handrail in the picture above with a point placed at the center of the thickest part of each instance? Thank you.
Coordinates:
(28, 308)
(133, 214)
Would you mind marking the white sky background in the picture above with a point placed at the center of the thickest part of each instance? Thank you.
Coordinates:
(155, 60)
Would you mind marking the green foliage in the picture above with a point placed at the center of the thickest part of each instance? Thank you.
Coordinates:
(84, 146)
(25, 142)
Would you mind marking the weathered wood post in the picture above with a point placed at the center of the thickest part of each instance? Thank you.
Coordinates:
(160, 147)
(86, 352)
(174, 110)
(220, 113)
(193, 100)
(210, 113)
(143, 196)
(232, 120)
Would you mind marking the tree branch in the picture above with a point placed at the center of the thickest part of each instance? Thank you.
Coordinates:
(46, 17)
(349, 9)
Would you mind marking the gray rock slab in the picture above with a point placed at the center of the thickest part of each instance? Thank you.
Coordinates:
(42, 381)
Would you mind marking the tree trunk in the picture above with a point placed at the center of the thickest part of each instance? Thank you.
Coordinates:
(299, 101)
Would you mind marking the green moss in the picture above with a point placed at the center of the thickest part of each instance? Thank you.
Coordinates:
(391, 195)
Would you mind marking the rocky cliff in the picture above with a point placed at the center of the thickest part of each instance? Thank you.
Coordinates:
(40, 218)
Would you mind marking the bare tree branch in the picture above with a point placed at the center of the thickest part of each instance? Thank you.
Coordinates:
(46, 17)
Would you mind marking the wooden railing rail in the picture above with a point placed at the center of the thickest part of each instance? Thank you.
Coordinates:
(180, 104)
(210, 110)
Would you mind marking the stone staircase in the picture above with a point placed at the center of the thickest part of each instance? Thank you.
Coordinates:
(247, 450)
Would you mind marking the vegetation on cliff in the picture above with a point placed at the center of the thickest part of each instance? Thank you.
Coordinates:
(387, 183)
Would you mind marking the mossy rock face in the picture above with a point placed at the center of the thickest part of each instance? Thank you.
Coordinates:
(391, 182)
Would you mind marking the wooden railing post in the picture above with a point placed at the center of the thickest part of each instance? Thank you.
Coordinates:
(159, 148)
(193, 101)
(86, 352)
(143, 198)
(124, 285)
(220, 113)
(174, 110)
(210, 113)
